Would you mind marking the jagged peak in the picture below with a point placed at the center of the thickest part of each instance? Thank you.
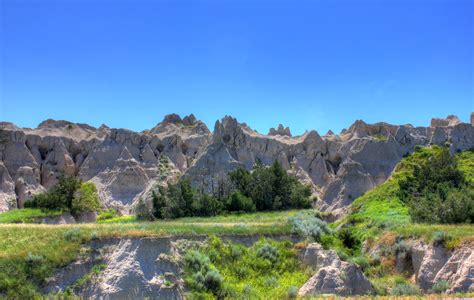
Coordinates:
(103, 127)
(450, 120)
(172, 118)
(357, 125)
(190, 120)
(176, 119)
(312, 136)
(173, 123)
(329, 133)
(280, 130)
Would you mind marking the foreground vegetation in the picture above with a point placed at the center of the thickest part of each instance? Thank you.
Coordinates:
(266, 270)
(29, 253)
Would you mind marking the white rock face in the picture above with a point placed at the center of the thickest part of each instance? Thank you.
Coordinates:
(432, 264)
(125, 165)
(136, 268)
(333, 275)
(135, 271)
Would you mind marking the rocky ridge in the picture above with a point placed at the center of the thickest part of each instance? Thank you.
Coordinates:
(125, 165)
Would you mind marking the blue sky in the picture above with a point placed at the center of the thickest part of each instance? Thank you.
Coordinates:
(307, 64)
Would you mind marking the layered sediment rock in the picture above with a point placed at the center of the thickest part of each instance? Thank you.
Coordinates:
(125, 165)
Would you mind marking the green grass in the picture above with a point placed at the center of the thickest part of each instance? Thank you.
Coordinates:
(234, 218)
(459, 233)
(25, 215)
(118, 219)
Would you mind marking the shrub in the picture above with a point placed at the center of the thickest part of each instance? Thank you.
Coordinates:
(268, 252)
(69, 194)
(143, 211)
(441, 238)
(309, 226)
(213, 281)
(73, 235)
(59, 197)
(348, 238)
(401, 289)
(239, 202)
(401, 248)
(292, 292)
(271, 282)
(107, 214)
(197, 261)
(33, 261)
(85, 199)
(440, 287)
(265, 188)
(361, 261)
(206, 205)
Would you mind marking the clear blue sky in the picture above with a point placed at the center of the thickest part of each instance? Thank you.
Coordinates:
(307, 64)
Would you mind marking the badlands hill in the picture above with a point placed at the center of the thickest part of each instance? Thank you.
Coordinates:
(125, 164)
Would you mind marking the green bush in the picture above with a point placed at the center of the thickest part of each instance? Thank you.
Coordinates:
(293, 292)
(402, 289)
(240, 202)
(436, 190)
(440, 287)
(107, 214)
(86, 199)
(197, 261)
(361, 261)
(69, 194)
(206, 205)
(348, 237)
(268, 252)
(401, 248)
(213, 281)
(309, 226)
(58, 197)
(73, 235)
(441, 238)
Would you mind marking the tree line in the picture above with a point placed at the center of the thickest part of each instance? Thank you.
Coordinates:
(264, 188)
(69, 194)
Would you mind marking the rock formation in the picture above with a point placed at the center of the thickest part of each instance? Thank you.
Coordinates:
(135, 268)
(434, 263)
(122, 163)
(125, 165)
(333, 275)
(283, 131)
